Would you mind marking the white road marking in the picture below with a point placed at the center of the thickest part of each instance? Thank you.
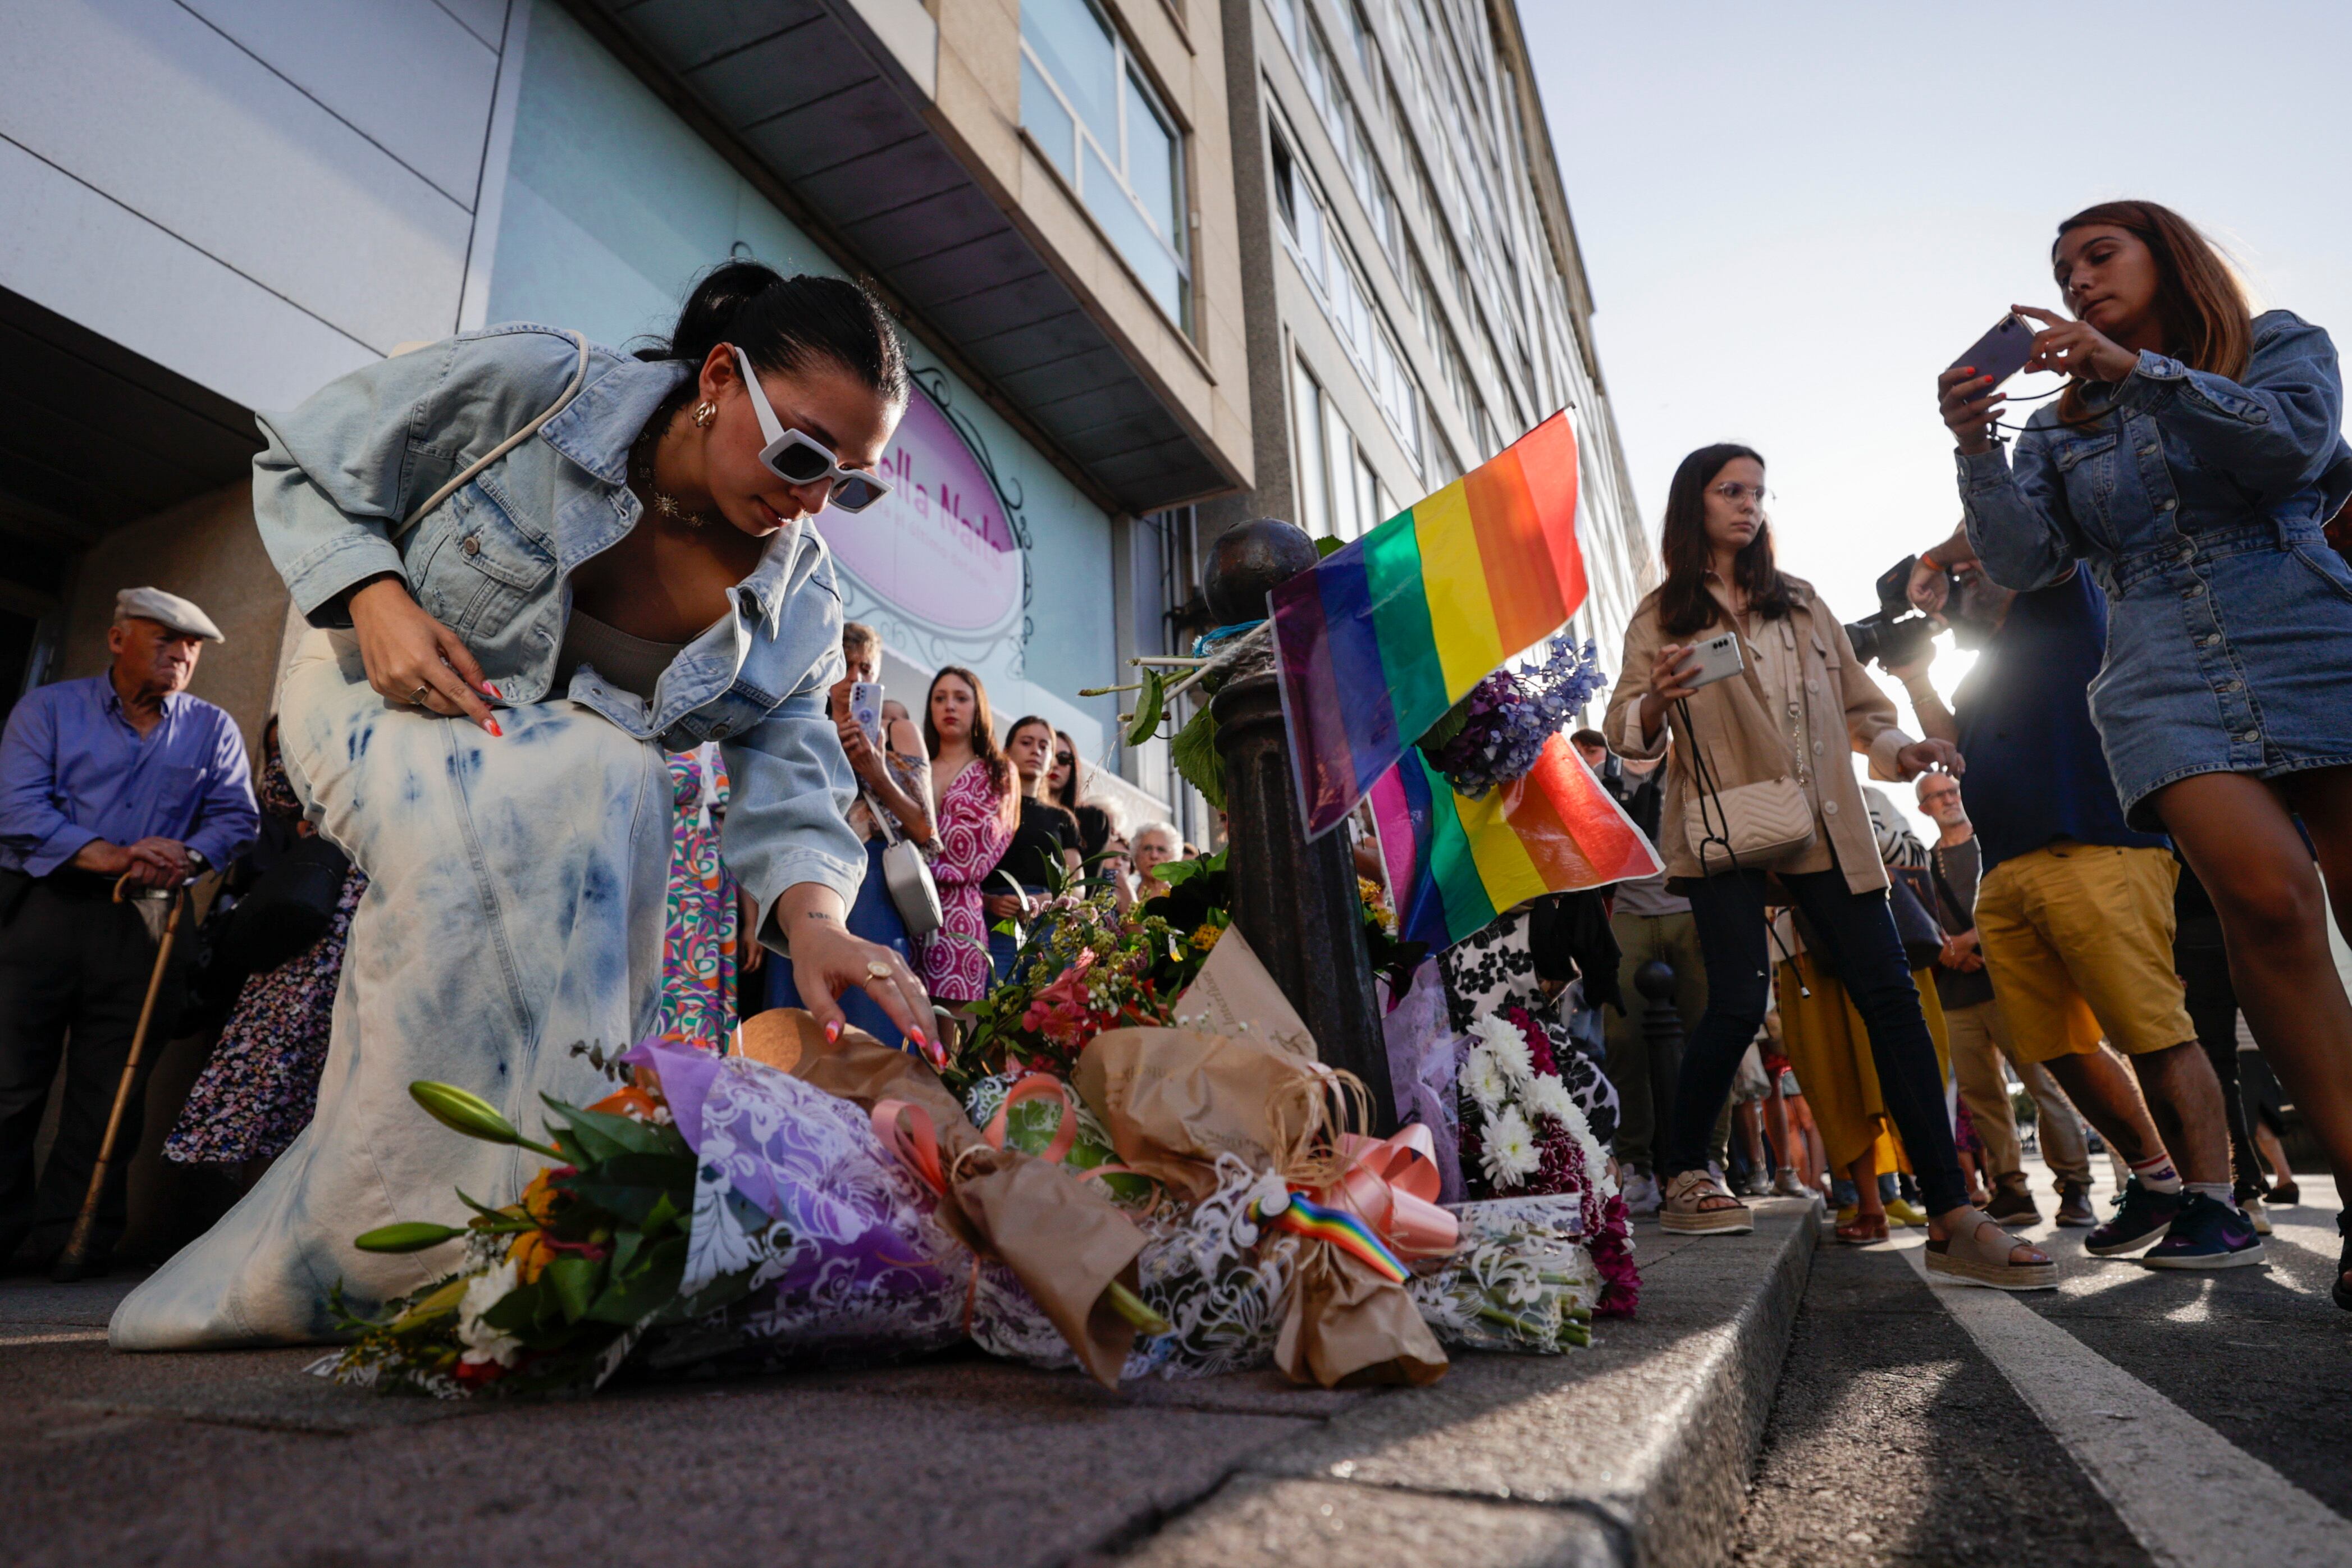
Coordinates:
(10, 1338)
(2192, 1498)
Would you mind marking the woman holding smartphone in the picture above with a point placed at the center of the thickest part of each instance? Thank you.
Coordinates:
(532, 568)
(1778, 732)
(2193, 464)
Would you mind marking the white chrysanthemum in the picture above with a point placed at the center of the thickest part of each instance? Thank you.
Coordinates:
(484, 1291)
(1547, 1096)
(1509, 1156)
(1502, 1037)
(1484, 1080)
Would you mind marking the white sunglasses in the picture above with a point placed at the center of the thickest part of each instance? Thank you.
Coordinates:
(799, 459)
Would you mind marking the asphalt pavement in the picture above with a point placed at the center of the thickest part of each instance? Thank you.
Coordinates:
(2130, 1416)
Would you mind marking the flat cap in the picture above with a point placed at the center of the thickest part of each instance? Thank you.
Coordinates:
(155, 604)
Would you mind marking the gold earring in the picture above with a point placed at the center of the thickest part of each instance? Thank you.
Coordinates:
(704, 412)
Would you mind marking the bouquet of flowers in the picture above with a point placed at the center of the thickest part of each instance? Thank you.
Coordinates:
(555, 1288)
(1521, 1279)
(1523, 1135)
(1495, 734)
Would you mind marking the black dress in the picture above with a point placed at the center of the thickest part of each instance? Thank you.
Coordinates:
(1034, 858)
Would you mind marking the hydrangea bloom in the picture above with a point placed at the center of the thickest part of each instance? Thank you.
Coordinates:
(1512, 714)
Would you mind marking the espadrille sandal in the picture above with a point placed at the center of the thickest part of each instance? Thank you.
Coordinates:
(1682, 1211)
(1977, 1253)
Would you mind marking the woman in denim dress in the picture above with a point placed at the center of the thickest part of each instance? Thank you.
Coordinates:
(2191, 466)
(478, 718)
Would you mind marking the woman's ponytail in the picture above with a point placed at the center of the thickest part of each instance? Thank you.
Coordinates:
(786, 323)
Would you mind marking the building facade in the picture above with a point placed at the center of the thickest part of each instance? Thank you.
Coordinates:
(276, 195)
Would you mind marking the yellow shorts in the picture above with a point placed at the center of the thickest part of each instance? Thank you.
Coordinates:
(2078, 941)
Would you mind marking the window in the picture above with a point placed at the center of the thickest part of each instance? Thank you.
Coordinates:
(1339, 492)
(1085, 100)
(1322, 255)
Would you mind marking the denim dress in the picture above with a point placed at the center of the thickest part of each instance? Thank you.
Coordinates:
(517, 885)
(2197, 502)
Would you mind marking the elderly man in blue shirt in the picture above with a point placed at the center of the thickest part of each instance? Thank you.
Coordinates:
(121, 775)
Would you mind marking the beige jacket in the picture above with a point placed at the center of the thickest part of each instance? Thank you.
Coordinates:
(1750, 732)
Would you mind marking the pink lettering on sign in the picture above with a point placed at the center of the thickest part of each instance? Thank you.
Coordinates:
(938, 546)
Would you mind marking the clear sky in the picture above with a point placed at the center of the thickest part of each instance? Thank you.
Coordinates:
(1794, 214)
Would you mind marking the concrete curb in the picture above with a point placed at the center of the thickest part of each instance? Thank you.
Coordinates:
(1633, 1455)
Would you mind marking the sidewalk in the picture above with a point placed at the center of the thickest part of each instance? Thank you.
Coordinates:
(1635, 1452)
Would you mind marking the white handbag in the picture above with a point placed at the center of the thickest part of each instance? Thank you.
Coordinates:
(907, 878)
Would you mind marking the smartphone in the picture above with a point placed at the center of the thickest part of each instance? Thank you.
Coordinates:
(866, 708)
(2001, 352)
(1717, 659)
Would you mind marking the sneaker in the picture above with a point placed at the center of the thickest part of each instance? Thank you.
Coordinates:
(2257, 1215)
(1753, 1184)
(2140, 1215)
(2206, 1234)
(1641, 1194)
(1900, 1212)
(2013, 1206)
(2074, 1206)
(1789, 1184)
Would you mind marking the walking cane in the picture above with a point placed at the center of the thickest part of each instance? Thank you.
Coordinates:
(73, 1262)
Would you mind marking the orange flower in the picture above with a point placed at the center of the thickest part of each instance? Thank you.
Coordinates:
(531, 1254)
(633, 1101)
(540, 1198)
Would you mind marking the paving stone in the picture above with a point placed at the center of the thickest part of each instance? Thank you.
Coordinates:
(1258, 1522)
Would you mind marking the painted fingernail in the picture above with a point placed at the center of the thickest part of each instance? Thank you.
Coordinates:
(492, 726)
(833, 1032)
(918, 1038)
(491, 689)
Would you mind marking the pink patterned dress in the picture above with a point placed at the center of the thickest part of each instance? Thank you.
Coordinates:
(973, 832)
(697, 1000)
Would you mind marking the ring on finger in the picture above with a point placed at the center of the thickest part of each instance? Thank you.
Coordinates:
(417, 699)
(877, 968)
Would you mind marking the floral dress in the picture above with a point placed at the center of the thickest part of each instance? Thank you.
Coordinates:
(697, 998)
(972, 832)
(257, 1091)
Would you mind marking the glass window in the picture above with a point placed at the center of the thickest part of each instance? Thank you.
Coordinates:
(1313, 474)
(1339, 451)
(1089, 109)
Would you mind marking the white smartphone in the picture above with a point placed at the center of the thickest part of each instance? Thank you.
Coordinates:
(866, 708)
(1717, 659)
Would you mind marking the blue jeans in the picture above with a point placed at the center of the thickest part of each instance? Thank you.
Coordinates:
(1859, 930)
(874, 917)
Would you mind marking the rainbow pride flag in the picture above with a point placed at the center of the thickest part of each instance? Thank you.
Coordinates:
(1454, 863)
(1391, 630)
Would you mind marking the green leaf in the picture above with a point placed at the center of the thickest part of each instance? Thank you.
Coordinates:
(630, 1135)
(632, 1187)
(408, 1236)
(624, 1249)
(1194, 753)
(1148, 709)
(575, 1281)
(664, 1213)
(518, 1308)
(1328, 544)
(1452, 723)
(626, 1300)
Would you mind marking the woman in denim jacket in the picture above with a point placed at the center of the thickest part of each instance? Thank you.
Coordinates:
(2191, 466)
(479, 715)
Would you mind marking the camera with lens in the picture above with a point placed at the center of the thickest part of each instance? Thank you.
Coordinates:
(1895, 634)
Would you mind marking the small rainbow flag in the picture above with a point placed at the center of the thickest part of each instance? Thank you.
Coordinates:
(1342, 1229)
(1392, 629)
(1454, 863)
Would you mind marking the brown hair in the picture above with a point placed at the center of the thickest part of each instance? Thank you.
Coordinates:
(857, 634)
(1685, 605)
(2206, 323)
(984, 736)
(1040, 721)
(1069, 796)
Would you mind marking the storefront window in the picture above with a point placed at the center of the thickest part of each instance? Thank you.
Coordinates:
(1088, 106)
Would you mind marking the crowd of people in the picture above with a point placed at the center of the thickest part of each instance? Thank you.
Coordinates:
(2157, 767)
(2139, 791)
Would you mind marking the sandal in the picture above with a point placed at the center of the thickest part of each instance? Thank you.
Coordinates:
(1978, 1252)
(1862, 1230)
(2287, 1193)
(1694, 1206)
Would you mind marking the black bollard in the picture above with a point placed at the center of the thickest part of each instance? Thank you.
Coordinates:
(1294, 902)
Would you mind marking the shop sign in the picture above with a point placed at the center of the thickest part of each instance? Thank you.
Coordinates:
(938, 549)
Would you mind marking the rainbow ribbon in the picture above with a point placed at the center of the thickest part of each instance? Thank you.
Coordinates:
(1343, 1230)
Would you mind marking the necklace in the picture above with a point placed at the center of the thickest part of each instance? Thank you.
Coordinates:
(665, 505)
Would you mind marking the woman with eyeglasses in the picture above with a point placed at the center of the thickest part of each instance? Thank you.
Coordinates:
(1758, 761)
(531, 567)
(1043, 852)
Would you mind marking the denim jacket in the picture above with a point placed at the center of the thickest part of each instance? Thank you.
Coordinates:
(494, 562)
(2172, 457)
